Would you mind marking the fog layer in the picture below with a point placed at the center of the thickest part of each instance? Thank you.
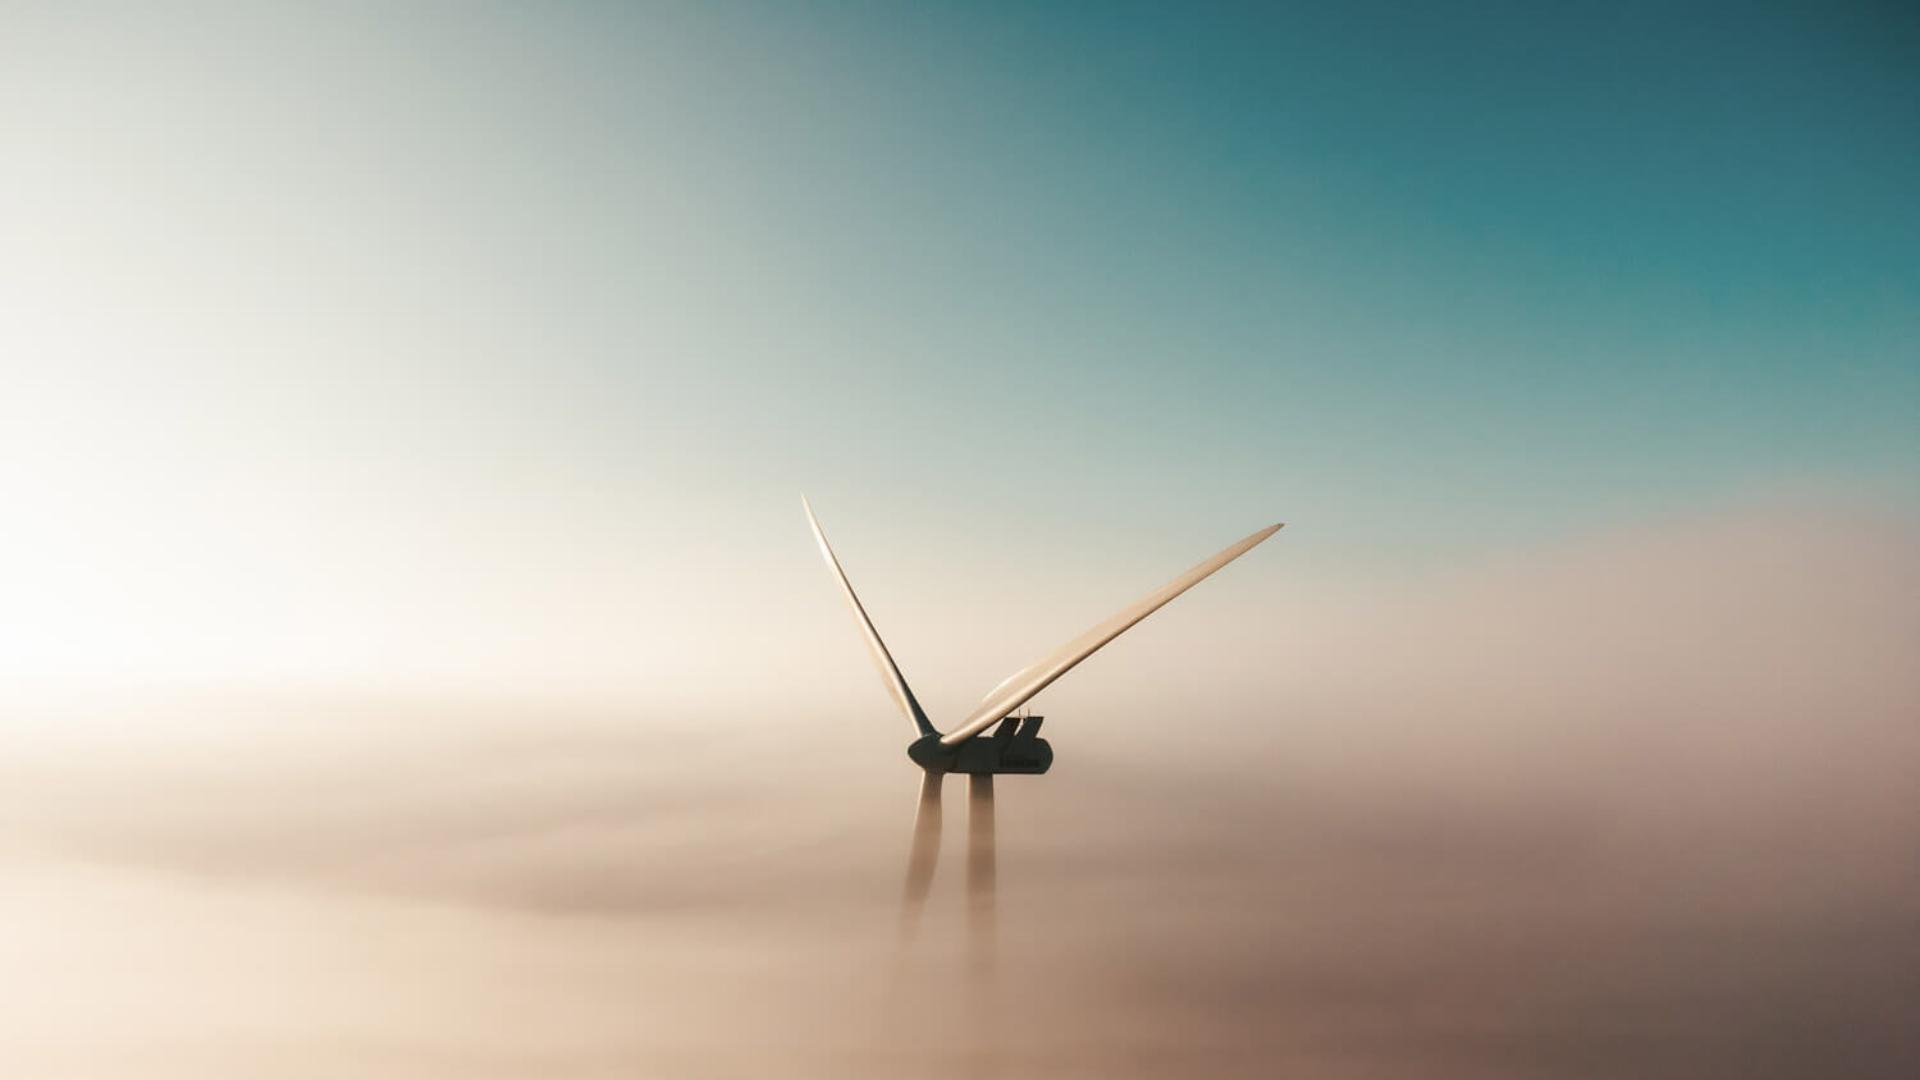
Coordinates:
(1641, 806)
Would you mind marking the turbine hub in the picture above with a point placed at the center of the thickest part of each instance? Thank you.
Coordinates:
(1014, 746)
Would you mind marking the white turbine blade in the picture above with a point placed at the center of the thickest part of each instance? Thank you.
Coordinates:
(890, 671)
(1023, 684)
(924, 853)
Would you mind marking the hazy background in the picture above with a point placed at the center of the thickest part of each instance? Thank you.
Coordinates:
(413, 661)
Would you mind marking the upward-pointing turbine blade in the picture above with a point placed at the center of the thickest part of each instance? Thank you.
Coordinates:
(925, 851)
(890, 671)
(1014, 691)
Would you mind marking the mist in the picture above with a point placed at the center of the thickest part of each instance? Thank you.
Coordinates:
(1639, 803)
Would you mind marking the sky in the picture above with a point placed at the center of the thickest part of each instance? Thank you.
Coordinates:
(344, 342)
(404, 412)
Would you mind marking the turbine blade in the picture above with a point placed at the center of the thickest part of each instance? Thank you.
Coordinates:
(890, 671)
(1014, 690)
(925, 852)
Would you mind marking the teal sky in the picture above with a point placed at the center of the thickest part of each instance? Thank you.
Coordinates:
(454, 294)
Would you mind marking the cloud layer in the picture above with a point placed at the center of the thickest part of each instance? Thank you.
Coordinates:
(1637, 807)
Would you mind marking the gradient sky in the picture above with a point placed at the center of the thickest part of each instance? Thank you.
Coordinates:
(414, 662)
(451, 341)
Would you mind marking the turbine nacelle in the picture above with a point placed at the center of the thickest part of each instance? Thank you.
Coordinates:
(1014, 747)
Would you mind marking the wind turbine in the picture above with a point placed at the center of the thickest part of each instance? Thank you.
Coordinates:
(1014, 746)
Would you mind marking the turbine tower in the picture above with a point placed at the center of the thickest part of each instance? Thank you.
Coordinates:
(1013, 747)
